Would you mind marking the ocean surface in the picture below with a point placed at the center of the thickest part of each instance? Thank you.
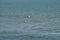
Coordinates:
(44, 23)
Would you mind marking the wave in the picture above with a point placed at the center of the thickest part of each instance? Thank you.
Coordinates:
(18, 16)
(23, 36)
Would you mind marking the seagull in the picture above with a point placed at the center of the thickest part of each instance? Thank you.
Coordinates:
(28, 16)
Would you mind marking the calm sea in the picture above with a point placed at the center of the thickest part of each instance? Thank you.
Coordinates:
(44, 23)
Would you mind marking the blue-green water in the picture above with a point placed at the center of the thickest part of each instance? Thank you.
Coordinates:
(44, 23)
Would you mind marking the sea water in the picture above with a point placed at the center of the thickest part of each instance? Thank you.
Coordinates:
(43, 24)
